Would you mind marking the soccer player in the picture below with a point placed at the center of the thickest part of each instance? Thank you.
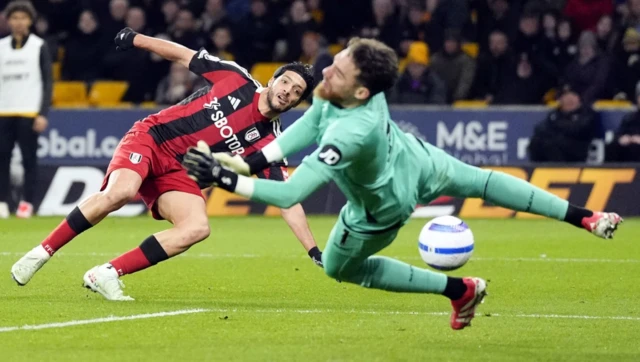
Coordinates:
(26, 83)
(235, 114)
(384, 173)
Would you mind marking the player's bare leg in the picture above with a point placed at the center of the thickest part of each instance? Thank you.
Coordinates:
(187, 213)
(122, 188)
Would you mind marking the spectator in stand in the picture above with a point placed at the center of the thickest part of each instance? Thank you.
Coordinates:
(52, 40)
(566, 134)
(115, 20)
(626, 142)
(564, 49)
(606, 35)
(84, 51)
(626, 71)
(587, 74)
(412, 30)
(295, 25)
(455, 67)
(586, 13)
(315, 9)
(130, 66)
(222, 41)
(550, 26)
(184, 30)
(493, 67)
(170, 9)
(153, 15)
(630, 14)
(495, 15)
(523, 84)
(257, 35)
(176, 86)
(418, 84)
(384, 23)
(62, 14)
(314, 51)
(214, 16)
(443, 15)
(529, 38)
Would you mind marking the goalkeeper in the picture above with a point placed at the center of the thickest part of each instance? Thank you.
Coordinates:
(384, 174)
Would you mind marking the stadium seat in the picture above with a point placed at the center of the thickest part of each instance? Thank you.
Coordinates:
(107, 93)
(550, 96)
(119, 105)
(470, 104)
(262, 72)
(471, 49)
(70, 94)
(335, 48)
(149, 105)
(56, 69)
(611, 104)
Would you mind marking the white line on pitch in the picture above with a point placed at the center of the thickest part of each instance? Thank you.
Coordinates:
(101, 320)
(254, 256)
(304, 311)
(373, 312)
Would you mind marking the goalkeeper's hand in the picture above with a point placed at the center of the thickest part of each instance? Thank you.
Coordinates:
(203, 168)
(316, 256)
(234, 163)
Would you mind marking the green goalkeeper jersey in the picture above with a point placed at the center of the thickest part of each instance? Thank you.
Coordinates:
(376, 165)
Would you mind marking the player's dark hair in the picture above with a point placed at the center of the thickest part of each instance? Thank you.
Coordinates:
(303, 70)
(378, 64)
(23, 6)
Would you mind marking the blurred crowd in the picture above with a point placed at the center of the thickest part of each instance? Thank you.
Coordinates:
(523, 50)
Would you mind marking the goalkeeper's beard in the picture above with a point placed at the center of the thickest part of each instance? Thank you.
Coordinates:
(321, 92)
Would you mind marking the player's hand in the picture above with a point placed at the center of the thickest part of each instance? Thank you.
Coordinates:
(316, 256)
(40, 123)
(235, 163)
(124, 39)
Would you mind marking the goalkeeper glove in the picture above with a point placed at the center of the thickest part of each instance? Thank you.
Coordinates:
(124, 39)
(206, 170)
(234, 163)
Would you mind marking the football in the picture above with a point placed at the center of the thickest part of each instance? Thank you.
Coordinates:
(446, 243)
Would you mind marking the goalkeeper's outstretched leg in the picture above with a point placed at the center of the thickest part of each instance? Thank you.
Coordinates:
(510, 192)
(349, 257)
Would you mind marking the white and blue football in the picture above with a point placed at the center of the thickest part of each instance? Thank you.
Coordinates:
(446, 243)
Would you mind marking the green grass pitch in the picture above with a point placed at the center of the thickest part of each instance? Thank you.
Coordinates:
(556, 293)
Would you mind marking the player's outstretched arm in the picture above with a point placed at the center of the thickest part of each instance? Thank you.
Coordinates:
(204, 169)
(302, 133)
(297, 221)
(174, 52)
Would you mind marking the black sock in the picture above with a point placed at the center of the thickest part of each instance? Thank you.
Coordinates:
(575, 214)
(455, 288)
(153, 251)
(77, 221)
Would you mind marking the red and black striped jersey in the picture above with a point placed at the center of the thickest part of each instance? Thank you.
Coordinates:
(224, 114)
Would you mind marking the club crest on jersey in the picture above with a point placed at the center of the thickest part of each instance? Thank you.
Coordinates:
(252, 135)
(135, 158)
(212, 105)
